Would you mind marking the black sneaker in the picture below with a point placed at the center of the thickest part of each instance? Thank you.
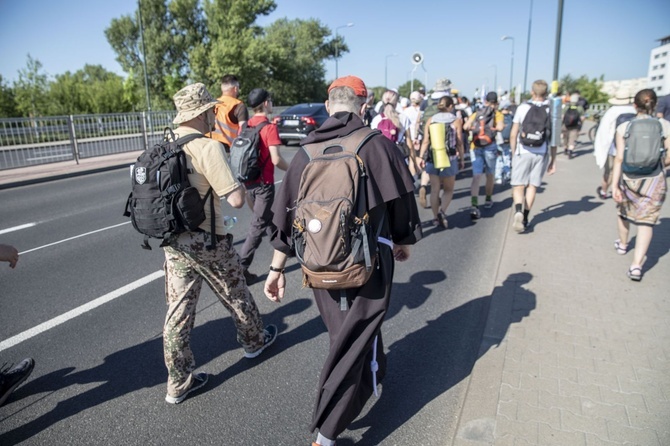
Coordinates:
(12, 377)
(270, 334)
(199, 380)
(251, 278)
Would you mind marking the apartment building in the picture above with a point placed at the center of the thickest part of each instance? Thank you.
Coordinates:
(659, 67)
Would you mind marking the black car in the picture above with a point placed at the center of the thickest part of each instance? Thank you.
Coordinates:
(296, 122)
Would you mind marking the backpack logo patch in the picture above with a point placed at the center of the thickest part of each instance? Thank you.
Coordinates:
(140, 175)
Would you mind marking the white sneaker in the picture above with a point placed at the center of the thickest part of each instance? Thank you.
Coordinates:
(518, 222)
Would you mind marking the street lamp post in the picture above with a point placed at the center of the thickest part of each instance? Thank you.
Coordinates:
(530, 21)
(386, 69)
(337, 45)
(511, 69)
(495, 77)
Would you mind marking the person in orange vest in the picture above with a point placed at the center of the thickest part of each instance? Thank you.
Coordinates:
(231, 113)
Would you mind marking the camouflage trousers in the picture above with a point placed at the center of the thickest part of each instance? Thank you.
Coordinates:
(187, 263)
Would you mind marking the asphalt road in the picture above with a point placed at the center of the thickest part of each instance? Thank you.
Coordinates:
(100, 377)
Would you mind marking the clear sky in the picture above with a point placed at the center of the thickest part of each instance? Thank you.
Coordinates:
(460, 40)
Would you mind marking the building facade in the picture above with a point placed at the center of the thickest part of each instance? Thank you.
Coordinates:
(659, 67)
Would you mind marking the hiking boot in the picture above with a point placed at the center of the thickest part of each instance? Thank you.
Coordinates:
(270, 334)
(12, 377)
(251, 278)
(474, 213)
(422, 197)
(198, 380)
(518, 224)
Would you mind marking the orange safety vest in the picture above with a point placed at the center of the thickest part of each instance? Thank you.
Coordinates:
(224, 129)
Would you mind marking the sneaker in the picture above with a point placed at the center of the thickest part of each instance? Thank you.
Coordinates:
(518, 222)
(474, 213)
(251, 278)
(199, 380)
(270, 333)
(12, 377)
(422, 197)
(488, 204)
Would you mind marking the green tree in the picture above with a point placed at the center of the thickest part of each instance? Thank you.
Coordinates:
(7, 101)
(90, 90)
(31, 90)
(405, 89)
(590, 89)
(232, 45)
(170, 32)
(295, 51)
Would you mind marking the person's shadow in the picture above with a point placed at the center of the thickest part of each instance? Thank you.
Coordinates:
(574, 207)
(141, 366)
(430, 361)
(657, 248)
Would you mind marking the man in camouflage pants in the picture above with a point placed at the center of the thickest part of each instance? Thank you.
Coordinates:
(188, 260)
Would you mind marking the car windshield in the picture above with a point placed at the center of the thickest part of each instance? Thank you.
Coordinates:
(303, 109)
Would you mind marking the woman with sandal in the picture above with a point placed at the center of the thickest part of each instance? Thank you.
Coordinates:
(639, 198)
(443, 178)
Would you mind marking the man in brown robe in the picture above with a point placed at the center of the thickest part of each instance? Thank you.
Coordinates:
(347, 378)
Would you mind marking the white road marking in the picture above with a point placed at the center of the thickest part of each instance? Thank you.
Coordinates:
(73, 238)
(17, 228)
(14, 340)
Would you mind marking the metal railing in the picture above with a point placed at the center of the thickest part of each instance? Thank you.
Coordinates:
(32, 141)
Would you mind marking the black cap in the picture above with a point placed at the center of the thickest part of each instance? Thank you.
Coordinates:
(257, 96)
(491, 96)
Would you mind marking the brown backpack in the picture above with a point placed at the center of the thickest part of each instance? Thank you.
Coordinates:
(332, 235)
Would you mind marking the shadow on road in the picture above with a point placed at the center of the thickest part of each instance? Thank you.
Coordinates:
(574, 207)
(430, 361)
(141, 366)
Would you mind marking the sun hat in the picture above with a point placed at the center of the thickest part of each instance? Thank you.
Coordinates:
(574, 98)
(621, 98)
(415, 97)
(192, 101)
(442, 84)
(353, 82)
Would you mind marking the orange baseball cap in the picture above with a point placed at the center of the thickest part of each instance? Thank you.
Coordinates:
(353, 82)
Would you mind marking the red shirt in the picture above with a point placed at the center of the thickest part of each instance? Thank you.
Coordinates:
(269, 137)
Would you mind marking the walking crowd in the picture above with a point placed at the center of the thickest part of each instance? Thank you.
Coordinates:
(384, 150)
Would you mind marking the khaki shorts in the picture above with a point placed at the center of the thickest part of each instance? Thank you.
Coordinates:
(570, 137)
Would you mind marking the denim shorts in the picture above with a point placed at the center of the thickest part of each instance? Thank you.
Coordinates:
(484, 159)
(450, 171)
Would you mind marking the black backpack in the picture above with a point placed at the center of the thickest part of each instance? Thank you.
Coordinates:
(162, 201)
(624, 117)
(571, 117)
(245, 154)
(536, 126)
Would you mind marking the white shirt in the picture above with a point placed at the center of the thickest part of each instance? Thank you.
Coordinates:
(412, 114)
(519, 116)
(603, 145)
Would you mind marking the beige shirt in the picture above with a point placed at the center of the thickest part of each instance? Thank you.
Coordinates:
(207, 161)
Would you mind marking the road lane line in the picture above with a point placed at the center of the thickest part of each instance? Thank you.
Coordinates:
(17, 228)
(73, 238)
(41, 328)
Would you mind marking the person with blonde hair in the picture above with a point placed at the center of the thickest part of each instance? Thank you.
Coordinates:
(445, 178)
(640, 196)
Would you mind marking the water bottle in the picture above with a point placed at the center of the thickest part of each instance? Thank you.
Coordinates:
(229, 222)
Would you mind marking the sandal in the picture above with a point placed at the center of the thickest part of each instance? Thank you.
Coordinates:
(634, 273)
(603, 195)
(621, 249)
(442, 220)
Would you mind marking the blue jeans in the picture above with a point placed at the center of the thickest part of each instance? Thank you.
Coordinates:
(484, 159)
(503, 163)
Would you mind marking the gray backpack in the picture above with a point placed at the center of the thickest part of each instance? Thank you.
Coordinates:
(644, 147)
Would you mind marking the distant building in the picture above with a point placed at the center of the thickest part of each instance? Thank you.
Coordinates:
(624, 88)
(659, 67)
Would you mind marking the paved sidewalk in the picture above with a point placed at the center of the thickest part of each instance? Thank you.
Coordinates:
(574, 352)
(53, 171)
